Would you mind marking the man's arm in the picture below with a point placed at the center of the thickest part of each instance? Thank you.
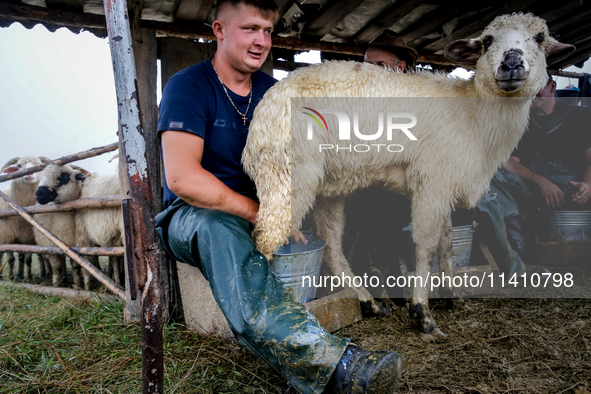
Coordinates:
(552, 194)
(584, 186)
(187, 179)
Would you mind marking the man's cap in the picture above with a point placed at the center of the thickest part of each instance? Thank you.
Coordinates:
(394, 43)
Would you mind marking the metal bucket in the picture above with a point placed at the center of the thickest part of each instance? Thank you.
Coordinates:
(291, 263)
(461, 248)
(564, 225)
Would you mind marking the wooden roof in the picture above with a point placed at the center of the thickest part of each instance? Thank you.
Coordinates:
(331, 26)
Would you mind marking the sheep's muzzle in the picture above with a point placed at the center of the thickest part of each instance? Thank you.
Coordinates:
(512, 72)
(45, 195)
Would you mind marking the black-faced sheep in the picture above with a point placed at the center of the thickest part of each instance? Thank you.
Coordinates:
(16, 230)
(460, 144)
(58, 185)
(93, 227)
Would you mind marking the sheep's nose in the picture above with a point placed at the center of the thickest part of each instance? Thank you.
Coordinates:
(513, 63)
(45, 195)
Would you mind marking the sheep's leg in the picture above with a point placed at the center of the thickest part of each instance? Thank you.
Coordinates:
(329, 219)
(428, 218)
(44, 261)
(42, 272)
(9, 256)
(115, 269)
(76, 275)
(444, 250)
(89, 279)
(58, 269)
(28, 277)
(21, 267)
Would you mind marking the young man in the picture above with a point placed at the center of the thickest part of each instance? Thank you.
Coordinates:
(204, 116)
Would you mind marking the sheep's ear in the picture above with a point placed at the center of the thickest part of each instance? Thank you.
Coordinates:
(44, 159)
(10, 169)
(558, 49)
(82, 170)
(464, 51)
(9, 163)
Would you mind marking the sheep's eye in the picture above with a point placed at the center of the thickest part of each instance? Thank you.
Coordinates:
(539, 38)
(487, 41)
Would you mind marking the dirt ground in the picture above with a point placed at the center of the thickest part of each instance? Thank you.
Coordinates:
(492, 346)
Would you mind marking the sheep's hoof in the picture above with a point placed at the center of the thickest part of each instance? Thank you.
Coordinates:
(373, 309)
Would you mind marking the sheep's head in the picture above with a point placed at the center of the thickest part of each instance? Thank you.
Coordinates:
(510, 54)
(60, 183)
(21, 163)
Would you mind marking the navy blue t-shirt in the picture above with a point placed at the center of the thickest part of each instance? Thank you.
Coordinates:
(194, 100)
(561, 137)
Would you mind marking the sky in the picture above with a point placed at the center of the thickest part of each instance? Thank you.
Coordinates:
(57, 94)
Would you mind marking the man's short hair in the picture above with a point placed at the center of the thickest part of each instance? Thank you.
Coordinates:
(549, 79)
(268, 8)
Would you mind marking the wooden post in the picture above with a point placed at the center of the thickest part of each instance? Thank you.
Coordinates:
(145, 52)
(133, 149)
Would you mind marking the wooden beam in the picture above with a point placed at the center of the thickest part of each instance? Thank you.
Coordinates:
(288, 65)
(66, 5)
(84, 203)
(391, 16)
(434, 20)
(59, 291)
(194, 10)
(337, 310)
(332, 13)
(566, 74)
(24, 12)
(87, 251)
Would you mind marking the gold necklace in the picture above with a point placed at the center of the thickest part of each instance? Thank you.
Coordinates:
(242, 115)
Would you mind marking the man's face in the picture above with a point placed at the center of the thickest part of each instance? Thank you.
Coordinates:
(245, 37)
(544, 98)
(383, 58)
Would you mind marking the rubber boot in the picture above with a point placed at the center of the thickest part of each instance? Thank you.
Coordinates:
(360, 371)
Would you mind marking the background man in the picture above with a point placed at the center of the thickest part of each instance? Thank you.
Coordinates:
(204, 116)
(550, 169)
(390, 51)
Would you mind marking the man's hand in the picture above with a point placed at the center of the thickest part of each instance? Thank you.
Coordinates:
(297, 236)
(583, 194)
(552, 194)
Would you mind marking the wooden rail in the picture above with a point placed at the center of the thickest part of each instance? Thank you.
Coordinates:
(84, 203)
(88, 251)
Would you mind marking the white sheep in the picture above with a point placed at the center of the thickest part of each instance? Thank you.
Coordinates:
(15, 229)
(460, 144)
(102, 227)
(59, 184)
(93, 227)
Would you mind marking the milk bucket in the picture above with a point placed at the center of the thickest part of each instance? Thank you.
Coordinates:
(291, 263)
(564, 225)
(461, 248)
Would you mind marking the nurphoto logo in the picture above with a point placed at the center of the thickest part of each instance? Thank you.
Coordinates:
(392, 120)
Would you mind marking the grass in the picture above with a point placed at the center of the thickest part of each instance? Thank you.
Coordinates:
(59, 345)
